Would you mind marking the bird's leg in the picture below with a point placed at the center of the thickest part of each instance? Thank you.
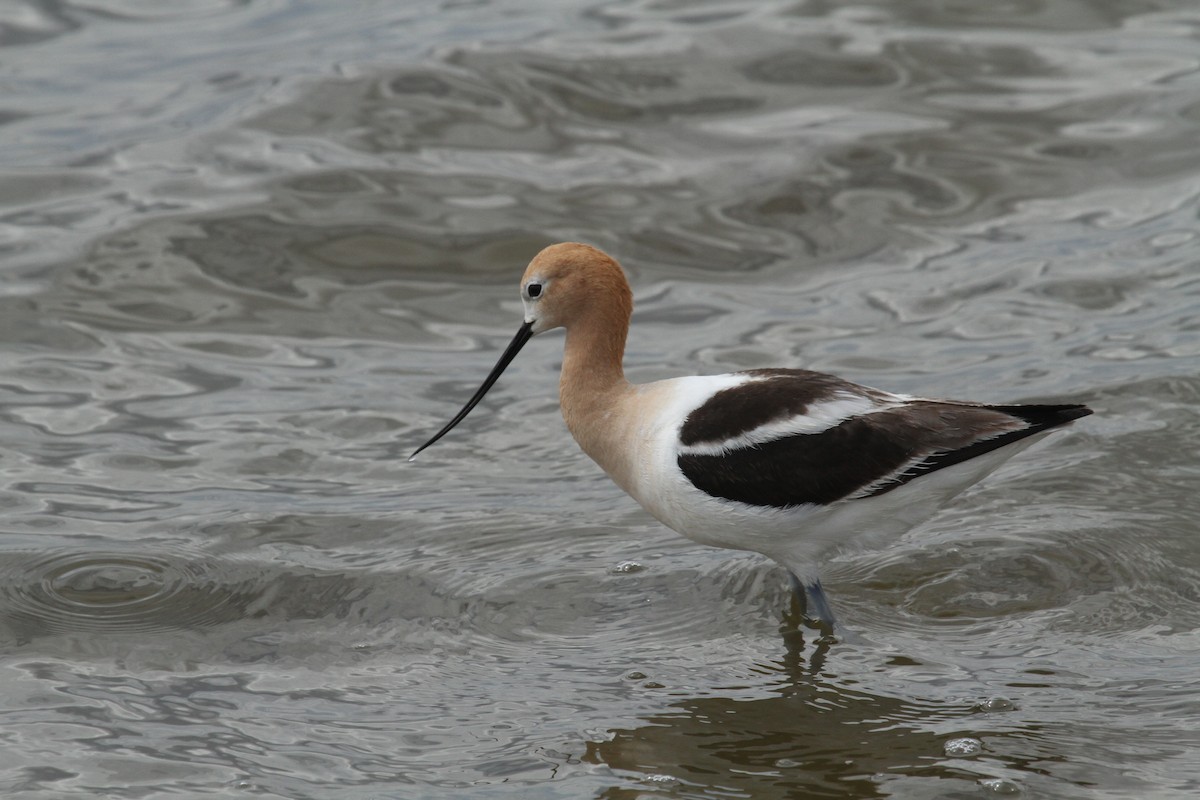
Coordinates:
(809, 604)
(794, 615)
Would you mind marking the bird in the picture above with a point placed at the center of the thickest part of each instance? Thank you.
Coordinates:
(794, 464)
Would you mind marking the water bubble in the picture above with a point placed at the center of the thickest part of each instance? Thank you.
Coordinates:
(963, 747)
(626, 567)
(996, 704)
(1001, 786)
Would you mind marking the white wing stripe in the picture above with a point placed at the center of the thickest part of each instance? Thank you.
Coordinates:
(819, 417)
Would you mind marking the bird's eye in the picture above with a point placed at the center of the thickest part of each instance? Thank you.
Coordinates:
(534, 290)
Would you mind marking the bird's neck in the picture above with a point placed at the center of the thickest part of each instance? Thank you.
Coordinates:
(593, 382)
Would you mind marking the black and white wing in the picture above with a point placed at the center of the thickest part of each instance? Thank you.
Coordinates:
(787, 438)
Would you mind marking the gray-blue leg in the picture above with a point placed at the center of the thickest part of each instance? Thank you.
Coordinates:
(813, 605)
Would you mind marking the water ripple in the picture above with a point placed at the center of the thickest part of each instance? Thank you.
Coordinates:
(116, 591)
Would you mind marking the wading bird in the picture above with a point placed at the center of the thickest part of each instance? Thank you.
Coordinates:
(790, 463)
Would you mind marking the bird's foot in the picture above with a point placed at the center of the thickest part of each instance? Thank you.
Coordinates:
(809, 608)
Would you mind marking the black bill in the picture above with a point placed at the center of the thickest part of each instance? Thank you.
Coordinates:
(510, 352)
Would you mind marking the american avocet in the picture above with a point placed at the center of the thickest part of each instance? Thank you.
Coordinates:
(790, 463)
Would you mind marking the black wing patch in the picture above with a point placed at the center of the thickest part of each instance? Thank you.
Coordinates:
(778, 394)
(885, 449)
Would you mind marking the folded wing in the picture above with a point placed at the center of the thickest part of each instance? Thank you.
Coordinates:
(791, 437)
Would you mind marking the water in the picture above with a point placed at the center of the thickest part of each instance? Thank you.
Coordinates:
(255, 252)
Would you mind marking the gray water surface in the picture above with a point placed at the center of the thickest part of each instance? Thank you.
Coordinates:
(253, 253)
